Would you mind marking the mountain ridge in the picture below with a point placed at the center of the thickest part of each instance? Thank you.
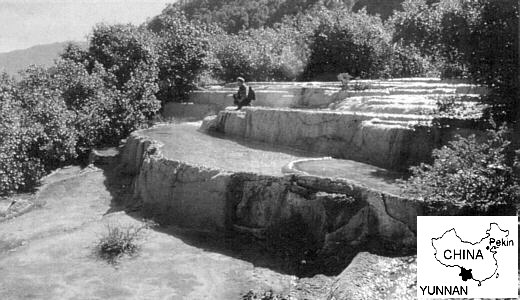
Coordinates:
(43, 54)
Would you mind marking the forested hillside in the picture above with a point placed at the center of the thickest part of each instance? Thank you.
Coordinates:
(235, 15)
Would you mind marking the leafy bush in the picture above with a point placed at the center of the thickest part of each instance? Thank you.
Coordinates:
(183, 54)
(417, 26)
(122, 49)
(356, 43)
(492, 54)
(261, 54)
(469, 39)
(236, 15)
(407, 61)
(90, 98)
(121, 64)
(46, 119)
(17, 171)
(137, 103)
(470, 174)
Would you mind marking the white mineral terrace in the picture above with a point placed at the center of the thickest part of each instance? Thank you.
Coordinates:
(213, 182)
(184, 142)
(413, 97)
(314, 150)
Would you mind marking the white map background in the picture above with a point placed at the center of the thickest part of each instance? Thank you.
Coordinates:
(472, 229)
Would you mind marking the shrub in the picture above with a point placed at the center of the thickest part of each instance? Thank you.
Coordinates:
(417, 26)
(492, 54)
(17, 171)
(137, 104)
(90, 98)
(236, 15)
(261, 54)
(406, 61)
(469, 173)
(50, 116)
(46, 119)
(356, 43)
(469, 39)
(121, 49)
(129, 61)
(183, 54)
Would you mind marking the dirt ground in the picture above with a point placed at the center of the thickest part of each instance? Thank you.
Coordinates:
(49, 252)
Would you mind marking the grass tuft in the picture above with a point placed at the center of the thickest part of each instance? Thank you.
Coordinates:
(120, 240)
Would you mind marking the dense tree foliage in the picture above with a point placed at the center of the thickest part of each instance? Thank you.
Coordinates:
(347, 42)
(471, 174)
(17, 169)
(262, 54)
(236, 15)
(183, 49)
(88, 98)
(477, 40)
(117, 75)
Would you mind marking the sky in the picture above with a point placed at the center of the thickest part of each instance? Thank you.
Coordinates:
(26, 23)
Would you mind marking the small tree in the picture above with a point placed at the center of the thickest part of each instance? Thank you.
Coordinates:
(121, 49)
(183, 54)
(356, 43)
(17, 170)
(46, 118)
(129, 57)
(91, 99)
(469, 173)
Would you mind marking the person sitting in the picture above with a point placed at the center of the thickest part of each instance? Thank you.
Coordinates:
(241, 98)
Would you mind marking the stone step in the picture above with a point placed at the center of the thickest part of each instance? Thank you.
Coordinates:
(390, 108)
(321, 95)
(392, 141)
(404, 104)
(209, 182)
(406, 83)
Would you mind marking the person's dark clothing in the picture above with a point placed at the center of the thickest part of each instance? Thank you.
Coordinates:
(241, 98)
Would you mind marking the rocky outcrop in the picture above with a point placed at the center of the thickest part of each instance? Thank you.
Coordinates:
(172, 191)
(343, 135)
(204, 198)
(385, 140)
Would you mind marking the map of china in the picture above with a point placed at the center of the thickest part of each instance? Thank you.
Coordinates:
(475, 260)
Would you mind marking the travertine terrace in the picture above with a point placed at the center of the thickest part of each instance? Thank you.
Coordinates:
(314, 150)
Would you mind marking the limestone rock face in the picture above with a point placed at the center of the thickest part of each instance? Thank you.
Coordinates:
(186, 195)
(380, 216)
(389, 141)
(175, 192)
(209, 123)
(333, 210)
(342, 135)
